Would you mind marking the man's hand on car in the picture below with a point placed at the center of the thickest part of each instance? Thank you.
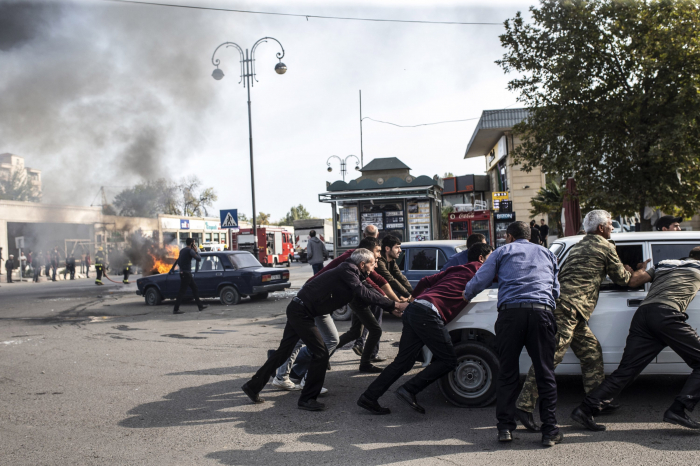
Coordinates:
(643, 265)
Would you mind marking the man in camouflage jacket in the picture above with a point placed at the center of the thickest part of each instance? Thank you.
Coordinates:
(587, 265)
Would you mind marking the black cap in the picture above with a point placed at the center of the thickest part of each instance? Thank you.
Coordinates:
(666, 221)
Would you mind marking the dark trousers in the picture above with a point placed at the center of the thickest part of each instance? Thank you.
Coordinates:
(300, 325)
(378, 313)
(186, 280)
(421, 326)
(99, 270)
(87, 270)
(53, 272)
(535, 330)
(362, 316)
(653, 328)
(9, 275)
(317, 267)
(37, 272)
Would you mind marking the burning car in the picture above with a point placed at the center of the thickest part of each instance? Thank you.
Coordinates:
(227, 275)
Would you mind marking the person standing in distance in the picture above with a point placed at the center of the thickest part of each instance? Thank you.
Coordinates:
(527, 290)
(544, 232)
(462, 257)
(668, 223)
(316, 252)
(184, 262)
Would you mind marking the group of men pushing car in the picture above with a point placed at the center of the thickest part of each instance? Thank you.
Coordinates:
(540, 307)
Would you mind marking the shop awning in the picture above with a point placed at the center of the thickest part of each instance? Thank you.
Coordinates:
(375, 194)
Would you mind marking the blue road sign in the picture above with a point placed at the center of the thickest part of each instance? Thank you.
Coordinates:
(229, 218)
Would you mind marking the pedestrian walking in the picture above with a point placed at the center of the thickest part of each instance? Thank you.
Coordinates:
(660, 321)
(87, 264)
(37, 263)
(55, 257)
(588, 263)
(527, 289)
(70, 266)
(184, 262)
(437, 301)
(322, 296)
(22, 264)
(316, 252)
(9, 266)
(544, 232)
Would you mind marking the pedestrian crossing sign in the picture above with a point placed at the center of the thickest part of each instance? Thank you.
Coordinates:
(229, 219)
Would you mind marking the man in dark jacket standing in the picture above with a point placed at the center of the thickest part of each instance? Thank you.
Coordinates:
(437, 300)
(535, 236)
(544, 232)
(316, 252)
(184, 262)
(321, 296)
(9, 265)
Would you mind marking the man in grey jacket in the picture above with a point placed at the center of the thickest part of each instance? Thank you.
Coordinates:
(316, 252)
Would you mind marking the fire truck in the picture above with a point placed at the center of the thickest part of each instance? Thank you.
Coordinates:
(275, 245)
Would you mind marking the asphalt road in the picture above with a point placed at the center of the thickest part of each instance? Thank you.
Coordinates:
(90, 375)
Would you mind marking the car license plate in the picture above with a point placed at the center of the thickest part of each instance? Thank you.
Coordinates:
(276, 277)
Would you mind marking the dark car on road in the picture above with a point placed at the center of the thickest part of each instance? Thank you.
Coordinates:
(228, 275)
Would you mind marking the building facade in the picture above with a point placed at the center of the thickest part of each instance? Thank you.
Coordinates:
(11, 163)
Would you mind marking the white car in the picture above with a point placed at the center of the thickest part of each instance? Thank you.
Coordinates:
(473, 383)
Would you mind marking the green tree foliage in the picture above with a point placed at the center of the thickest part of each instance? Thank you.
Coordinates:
(550, 201)
(195, 200)
(444, 221)
(262, 218)
(613, 93)
(148, 199)
(16, 186)
(295, 213)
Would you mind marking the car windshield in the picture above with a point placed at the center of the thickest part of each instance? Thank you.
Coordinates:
(245, 260)
(615, 224)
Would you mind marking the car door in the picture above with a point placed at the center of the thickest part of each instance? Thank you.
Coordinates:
(611, 318)
(172, 282)
(663, 250)
(209, 275)
(423, 261)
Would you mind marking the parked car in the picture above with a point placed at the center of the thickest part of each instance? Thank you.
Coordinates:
(473, 383)
(417, 260)
(617, 228)
(227, 275)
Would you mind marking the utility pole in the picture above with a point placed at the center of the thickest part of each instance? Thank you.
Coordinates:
(362, 154)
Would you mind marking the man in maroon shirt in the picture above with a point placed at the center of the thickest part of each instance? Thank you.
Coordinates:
(438, 300)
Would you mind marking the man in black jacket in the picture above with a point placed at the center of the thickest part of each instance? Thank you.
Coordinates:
(184, 262)
(323, 295)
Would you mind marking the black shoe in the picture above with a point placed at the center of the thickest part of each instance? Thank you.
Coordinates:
(311, 405)
(609, 408)
(378, 358)
(681, 420)
(203, 307)
(251, 394)
(505, 436)
(410, 399)
(579, 417)
(328, 367)
(357, 350)
(371, 369)
(527, 420)
(551, 440)
(177, 311)
(372, 406)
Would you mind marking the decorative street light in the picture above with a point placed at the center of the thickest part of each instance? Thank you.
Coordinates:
(248, 72)
(343, 164)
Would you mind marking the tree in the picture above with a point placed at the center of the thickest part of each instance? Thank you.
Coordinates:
(16, 186)
(612, 92)
(295, 213)
(262, 218)
(194, 200)
(549, 200)
(148, 199)
(243, 217)
(444, 221)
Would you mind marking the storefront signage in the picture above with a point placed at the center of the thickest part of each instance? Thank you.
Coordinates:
(196, 224)
(497, 197)
(184, 224)
(475, 215)
(170, 223)
(507, 216)
(211, 225)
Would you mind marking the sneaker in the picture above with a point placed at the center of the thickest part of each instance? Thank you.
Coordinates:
(285, 384)
(324, 390)
(378, 358)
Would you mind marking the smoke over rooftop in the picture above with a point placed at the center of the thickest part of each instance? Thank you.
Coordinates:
(89, 91)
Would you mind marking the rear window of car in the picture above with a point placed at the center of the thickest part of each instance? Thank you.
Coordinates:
(426, 259)
(242, 261)
(664, 251)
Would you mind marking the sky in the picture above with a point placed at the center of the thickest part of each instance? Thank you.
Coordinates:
(96, 93)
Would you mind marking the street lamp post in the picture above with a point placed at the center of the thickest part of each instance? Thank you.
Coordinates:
(343, 164)
(248, 72)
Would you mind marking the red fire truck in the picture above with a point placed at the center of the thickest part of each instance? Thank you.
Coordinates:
(274, 244)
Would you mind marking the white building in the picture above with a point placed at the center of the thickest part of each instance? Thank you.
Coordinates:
(10, 163)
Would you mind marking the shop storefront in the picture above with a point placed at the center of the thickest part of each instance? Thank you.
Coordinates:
(403, 206)
(176, 230)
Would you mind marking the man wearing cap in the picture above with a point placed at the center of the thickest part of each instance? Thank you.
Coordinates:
(669, 223)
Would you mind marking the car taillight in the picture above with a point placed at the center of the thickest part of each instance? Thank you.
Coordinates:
(266, 278)
(285, 275)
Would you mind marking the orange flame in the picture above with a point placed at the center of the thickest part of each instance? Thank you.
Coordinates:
(162, 266)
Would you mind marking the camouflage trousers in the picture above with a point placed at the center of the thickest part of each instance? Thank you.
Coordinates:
(572, 330)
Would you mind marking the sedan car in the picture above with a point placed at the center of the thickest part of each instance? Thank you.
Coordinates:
(473, 382)
(227, 275)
